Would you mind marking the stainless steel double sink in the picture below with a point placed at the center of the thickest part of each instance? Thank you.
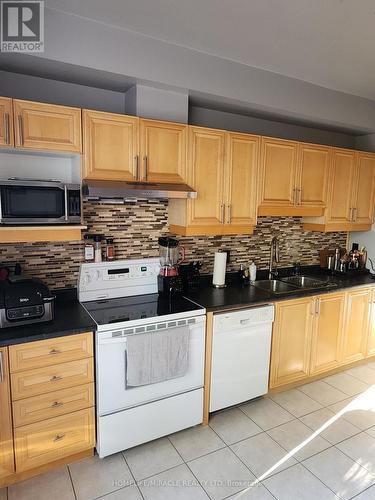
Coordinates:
(292, 284)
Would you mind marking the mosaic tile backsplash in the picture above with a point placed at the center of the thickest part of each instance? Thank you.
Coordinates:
(136, 227)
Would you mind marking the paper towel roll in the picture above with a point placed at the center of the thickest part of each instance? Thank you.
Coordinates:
(220, 263)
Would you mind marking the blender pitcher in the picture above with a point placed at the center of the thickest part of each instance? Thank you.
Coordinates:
(171, 254)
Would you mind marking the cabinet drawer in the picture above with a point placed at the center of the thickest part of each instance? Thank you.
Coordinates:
(50, 352)
(50, 440)
(51, 378)
(53, 404)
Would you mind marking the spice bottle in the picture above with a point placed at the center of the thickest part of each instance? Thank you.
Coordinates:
(98, 247)
(109, 249)
(89, 252)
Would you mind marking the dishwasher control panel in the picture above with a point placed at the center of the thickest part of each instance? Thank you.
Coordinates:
(244, 317)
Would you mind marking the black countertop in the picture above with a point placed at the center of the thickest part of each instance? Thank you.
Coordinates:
(236, 295)
(70, 319)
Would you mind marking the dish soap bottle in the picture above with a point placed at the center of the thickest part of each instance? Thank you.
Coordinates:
(253, 271)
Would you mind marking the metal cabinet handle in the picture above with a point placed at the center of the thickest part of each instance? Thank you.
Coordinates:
(354, 214)
(313, 308)
(55, 378)
(222, 213)
(6, 128)
(58, 437)
(56, 404)
(229, 214)
(20, 129)
(145, 163)
(317, 307)
(2, 375)
(136, 160)
(55, 351)
(294, 196)
(350, 214)
(299, 196)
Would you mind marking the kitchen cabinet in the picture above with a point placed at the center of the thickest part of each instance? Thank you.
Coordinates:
(6, 431)
(222, 168)
(47, 127)
(291, 341)
(357, 324)
(350, 199)
(294, 178)
(327, 332)
(163, 151)
(371, 333)
(6, 122)
(110, 146)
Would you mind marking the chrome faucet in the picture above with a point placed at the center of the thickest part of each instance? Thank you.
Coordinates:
(274, 257)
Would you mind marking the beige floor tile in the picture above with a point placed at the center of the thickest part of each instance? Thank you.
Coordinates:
(174, 484)
(346, 383)
(196, 442)
(95, 477)
(128, 493)
(266, 413)
(256, 492)
(296, 402)
(371, 431)
(322, 392)
(55, 484)
(363, 373)
(221, 473)
(335, 431)
(360, 448)
(151, 458)
(295, 437)
(368, 494)
(297, 483)
(340, 473)
(233, 425)
(261, 454)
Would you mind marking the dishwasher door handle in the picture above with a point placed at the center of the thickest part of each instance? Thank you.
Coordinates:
(245, 321)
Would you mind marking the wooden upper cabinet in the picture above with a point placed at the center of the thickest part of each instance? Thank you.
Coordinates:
(313, 169)
(364, 189)
(278, 170)
(110, 146)
(241, 174)
(206, 175)
(356, 325)
(327, 332)
(6, 431)
(47, 127)
(163, 151)
(341, 186)
(6, 122)
(291, 341)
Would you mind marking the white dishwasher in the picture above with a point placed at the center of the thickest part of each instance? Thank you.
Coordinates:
(240, 355)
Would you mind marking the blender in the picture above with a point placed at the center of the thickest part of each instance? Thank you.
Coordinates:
(171, 254)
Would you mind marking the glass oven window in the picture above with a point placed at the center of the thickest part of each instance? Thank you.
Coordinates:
(32, 202)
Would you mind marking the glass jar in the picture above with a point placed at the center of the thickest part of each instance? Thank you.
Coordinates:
(97, 247)
(109, 249)
(89, 249)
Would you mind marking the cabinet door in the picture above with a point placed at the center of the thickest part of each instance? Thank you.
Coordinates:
(313, 169)
(327, 332)
(278, 170)
(163, 151)
(241, 165)
(356, 325)
(6, 122)
(205, 175)
(371, 333)
(291, 341)
(110, 146)
(47, 127)
(363, 192)
(341, 184)
(6, 432)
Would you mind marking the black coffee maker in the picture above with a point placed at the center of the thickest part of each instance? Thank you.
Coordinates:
(171, 254)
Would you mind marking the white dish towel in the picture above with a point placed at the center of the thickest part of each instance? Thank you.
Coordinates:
(156, 356)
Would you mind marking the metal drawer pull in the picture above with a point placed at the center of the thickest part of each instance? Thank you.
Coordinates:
(56, 404)
(55, 351)
(55, 378)
(145, 161)
(136, 159)
(20, 128)
(59, 437)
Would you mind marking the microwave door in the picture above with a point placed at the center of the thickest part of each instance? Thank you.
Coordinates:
(33, 204)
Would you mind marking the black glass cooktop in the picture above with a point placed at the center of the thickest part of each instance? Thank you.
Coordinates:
(151, 306)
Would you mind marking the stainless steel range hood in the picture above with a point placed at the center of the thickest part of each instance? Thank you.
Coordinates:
(119, 190)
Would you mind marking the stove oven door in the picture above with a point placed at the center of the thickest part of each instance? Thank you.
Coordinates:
(113, 393)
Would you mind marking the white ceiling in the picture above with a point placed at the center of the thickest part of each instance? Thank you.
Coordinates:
(326, 42)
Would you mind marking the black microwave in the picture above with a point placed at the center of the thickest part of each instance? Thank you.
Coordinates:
(27, 201)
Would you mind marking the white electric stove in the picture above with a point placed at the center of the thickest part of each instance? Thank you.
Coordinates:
(122, 299)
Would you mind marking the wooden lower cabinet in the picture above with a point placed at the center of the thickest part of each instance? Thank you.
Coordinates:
(356, 325)
(371, 334)
(327, 332)
(291, 341)
(6, 431)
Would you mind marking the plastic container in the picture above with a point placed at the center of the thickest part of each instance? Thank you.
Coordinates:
(97, 247)
(253, 271)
